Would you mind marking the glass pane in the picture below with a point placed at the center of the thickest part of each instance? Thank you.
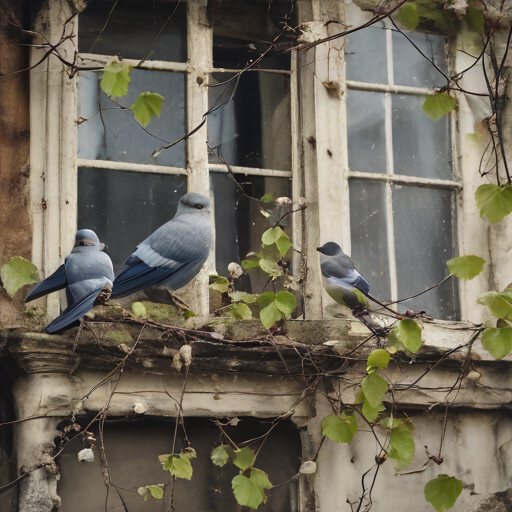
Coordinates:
(124, 208)
(113, 133)
(424, 242)
(243, 30)
(365, 53)
(366, 131)
(239, 223)
(421, 147)
(410, 67)
(368, 221)
(253, 129)
(131, 29)
(132, 450)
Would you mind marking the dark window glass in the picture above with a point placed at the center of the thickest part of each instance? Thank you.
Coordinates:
(124, 208)
(134, 29)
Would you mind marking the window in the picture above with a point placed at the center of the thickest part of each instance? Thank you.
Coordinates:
(402, 184)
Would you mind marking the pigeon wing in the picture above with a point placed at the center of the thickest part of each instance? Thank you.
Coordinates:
(53, 283)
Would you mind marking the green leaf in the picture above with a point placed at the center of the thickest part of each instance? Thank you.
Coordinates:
(147, 106)
(188, 453)
(221, 284)
(286, 302)
(115, 79)
(17, 273)
(250, 492)
(438, 105)
(283, 244)
(178, 467)
(371, 413)
(156, 491)
(494, 201)
(139, 310)
(394, 345)
(374, 389)
(248, 298)
(265, 299)
(401, 447)
(271, 235)
(240, 311)
(408, 332)
(379, 358)
(442, 492)
(475, 19)
(220, 455)
(270, 315)
(270, 267)
(499, 303)
(243, 458)
(408, 16)
(250, 263)
(339, 427)
(465, 267)
(498, 341)
(188, 314)
(267, 198)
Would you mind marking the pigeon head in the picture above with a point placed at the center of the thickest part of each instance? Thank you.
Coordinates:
(330, 249)
(86, 238)
(193, 202)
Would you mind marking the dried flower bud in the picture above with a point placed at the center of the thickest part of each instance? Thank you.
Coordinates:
(186, 355)
(140, 408)
(303, 203)
(86, 455)
(308, 467)
(285, 202)
(235, 269)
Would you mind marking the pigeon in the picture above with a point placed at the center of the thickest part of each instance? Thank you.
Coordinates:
(173, 255)
(87, 274)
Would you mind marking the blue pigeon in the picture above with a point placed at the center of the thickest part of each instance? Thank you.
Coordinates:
(85, 273)
(173, 255)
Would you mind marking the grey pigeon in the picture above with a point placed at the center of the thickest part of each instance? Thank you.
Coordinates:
(85, 273)
(174, 254)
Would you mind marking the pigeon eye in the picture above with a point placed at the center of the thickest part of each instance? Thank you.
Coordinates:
(81, 243)
(198, 206)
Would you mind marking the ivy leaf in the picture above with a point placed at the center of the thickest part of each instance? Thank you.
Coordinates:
(438, 105)
(270, 315)
(147, 105)
(494, 201)
(243, 458)
(250, 263)
(374, 389)
(379, 358)
(250, 492)
(401, 447)
(271, 235)
(220, 455)
(283, 244)
(500, 304)
(408, 332)
(339, 427)
(178, 467)
(270, 267)
(156, 491)
(475, 19)
(139, 310)
(442, 492)
(17, 273)
(248, 298)
(115, 79)
(408, 16)
(497, 341)
(240, 312)
(219, 283)
(465, 267)
(265, 299)
(267, 198)
(286, 302)
(371, 413)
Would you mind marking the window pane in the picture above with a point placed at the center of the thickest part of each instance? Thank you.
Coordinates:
(239, 223)
(124, 208)
(424, 242)
(132, 450)
(366, 131)
(253, 129)
(368, 221)
(365, 53)
(243, 30)
(129, 29)
(113, 133)
(421, 147)
(410, 68)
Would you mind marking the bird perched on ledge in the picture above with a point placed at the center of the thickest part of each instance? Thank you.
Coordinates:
(173, 255)
(87, 274)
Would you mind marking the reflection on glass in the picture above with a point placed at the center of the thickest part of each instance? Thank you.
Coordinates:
(365, 54)
(113, 133)
(239, 223)
(131, 29)
(124, 208)
(424, 242)
(410, 67)
(243, 30)
(368, 230)
(421, 147)
(253, 128)
(366, 131)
